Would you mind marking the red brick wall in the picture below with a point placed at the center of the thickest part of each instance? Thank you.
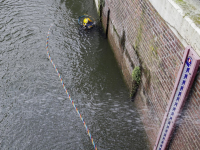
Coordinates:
(151, 44)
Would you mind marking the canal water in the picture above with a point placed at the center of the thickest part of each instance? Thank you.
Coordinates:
(35, 112)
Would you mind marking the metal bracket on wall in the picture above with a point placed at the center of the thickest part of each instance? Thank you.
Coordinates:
(184, 81)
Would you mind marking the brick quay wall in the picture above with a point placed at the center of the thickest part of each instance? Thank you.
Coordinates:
(140, 36)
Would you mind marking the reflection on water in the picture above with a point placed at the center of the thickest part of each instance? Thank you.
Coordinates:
(35, 112)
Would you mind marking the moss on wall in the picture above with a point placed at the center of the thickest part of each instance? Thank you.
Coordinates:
(100, 3)
(138, 38)
(115, 31)
(147, 75)
(136, 77)
(190, 10)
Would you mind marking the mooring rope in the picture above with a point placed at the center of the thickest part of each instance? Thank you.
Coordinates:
(88, 132)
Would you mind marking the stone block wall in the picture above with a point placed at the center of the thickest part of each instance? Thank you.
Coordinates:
(139, 36)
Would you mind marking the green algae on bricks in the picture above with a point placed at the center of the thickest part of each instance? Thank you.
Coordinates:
(100, 3)
(136, 74)
(136, 77)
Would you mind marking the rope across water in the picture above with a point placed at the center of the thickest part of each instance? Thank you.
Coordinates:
(88, 132)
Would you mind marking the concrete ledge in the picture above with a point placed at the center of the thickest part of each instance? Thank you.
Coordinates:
(182, 26)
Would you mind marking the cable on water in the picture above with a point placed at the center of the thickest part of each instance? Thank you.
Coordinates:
(88, 132)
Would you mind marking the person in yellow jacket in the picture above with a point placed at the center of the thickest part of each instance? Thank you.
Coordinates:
(87, 22)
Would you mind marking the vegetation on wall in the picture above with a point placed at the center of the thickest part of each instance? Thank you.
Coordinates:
(101, 4)
(136, 77)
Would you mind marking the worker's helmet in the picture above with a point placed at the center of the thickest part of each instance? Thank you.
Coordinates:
(85, 20)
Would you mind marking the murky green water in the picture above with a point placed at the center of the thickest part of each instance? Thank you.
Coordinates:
(35, 112)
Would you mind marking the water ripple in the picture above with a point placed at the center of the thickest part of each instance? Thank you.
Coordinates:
(35, 112)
